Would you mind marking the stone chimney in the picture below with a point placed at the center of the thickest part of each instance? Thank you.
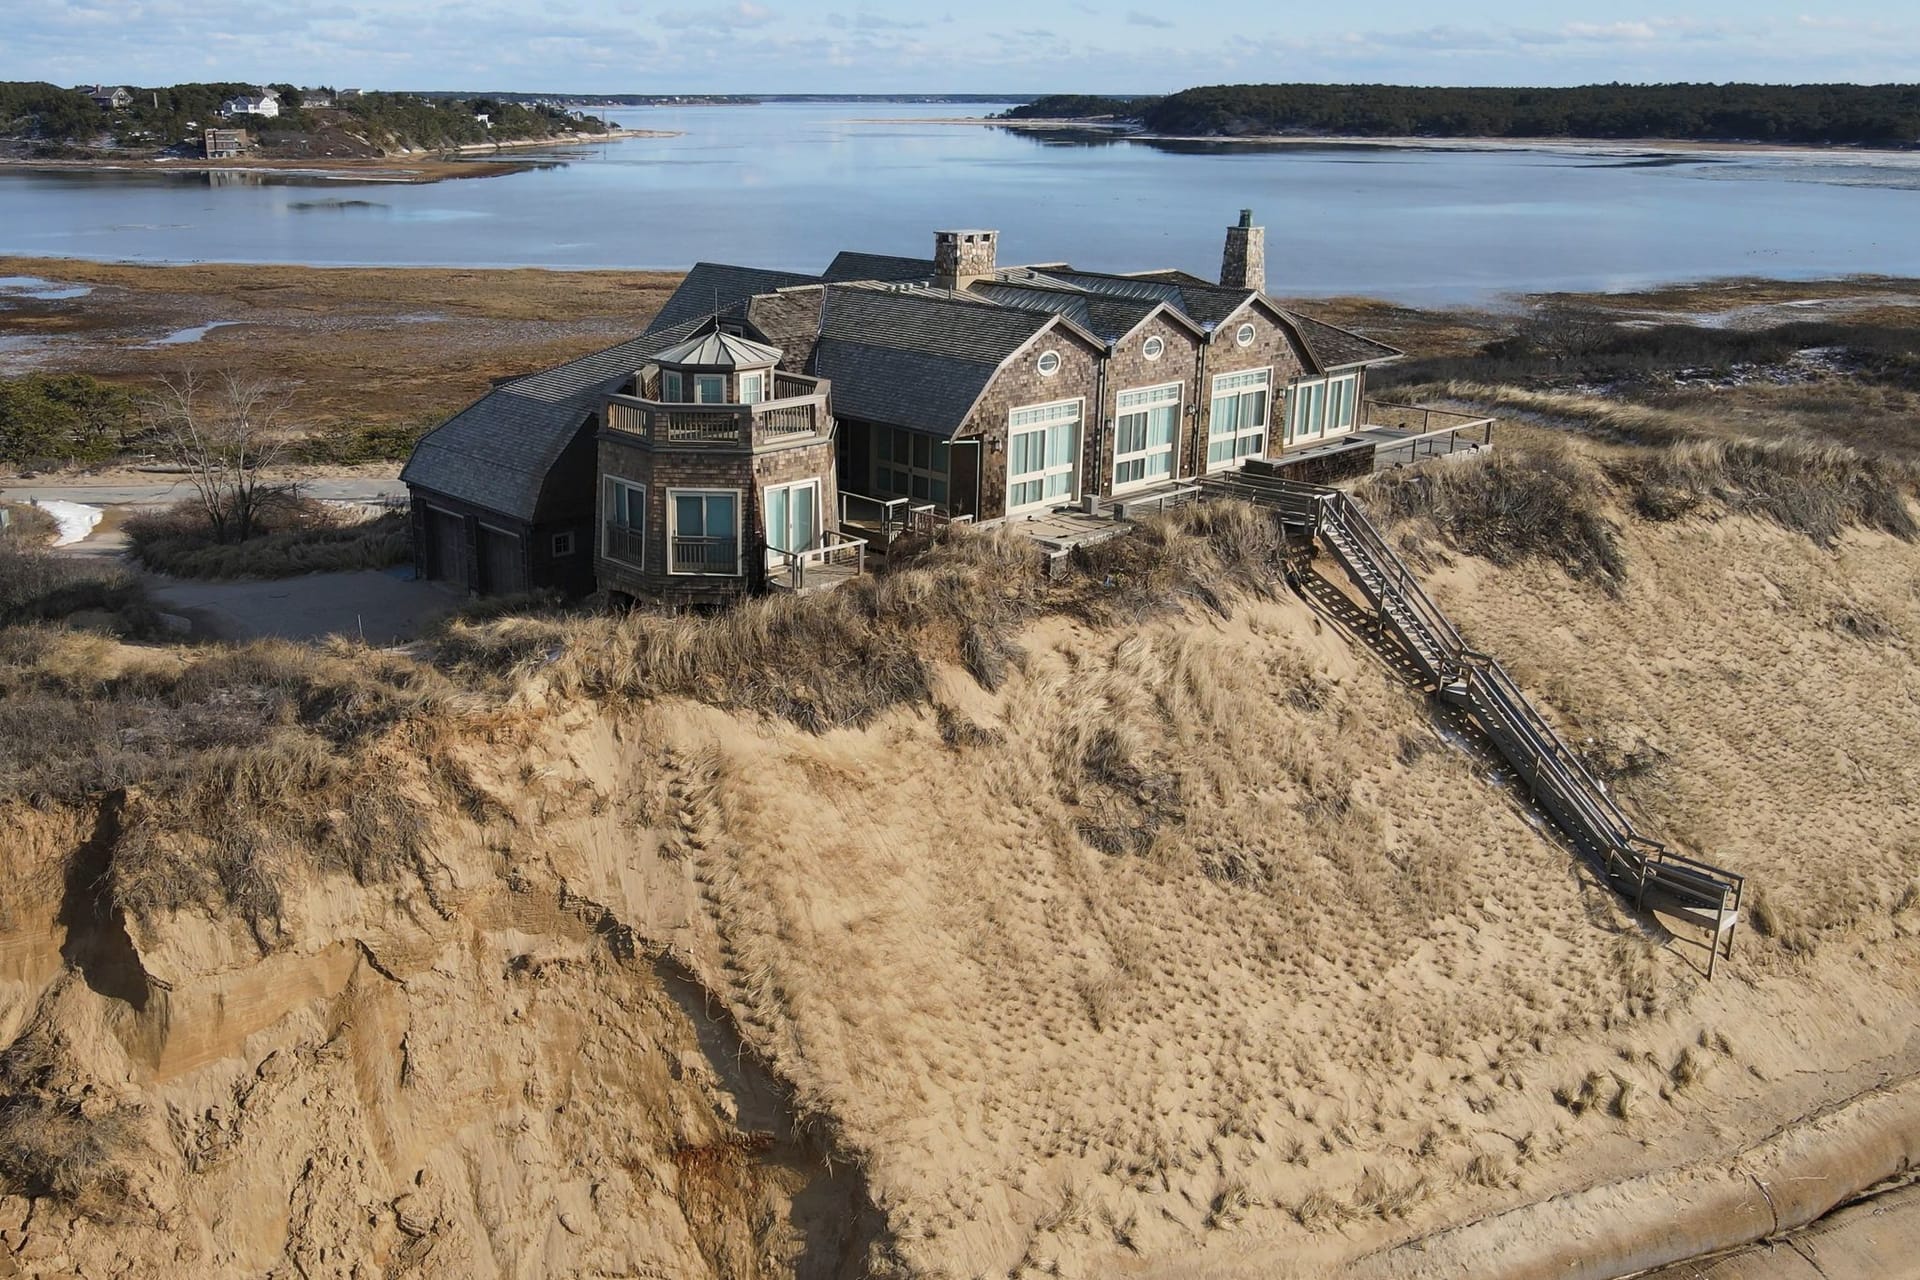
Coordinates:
(1244, 264)
(961, 257)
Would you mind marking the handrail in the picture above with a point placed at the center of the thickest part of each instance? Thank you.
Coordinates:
(1558, 777)
(678, 424)
(927, 518)
(835, 547)
(891, 512)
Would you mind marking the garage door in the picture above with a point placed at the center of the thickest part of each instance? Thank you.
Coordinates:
(502, 567)
(446, 547)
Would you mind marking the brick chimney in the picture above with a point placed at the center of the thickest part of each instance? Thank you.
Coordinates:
(961, 257)
(1244, 264)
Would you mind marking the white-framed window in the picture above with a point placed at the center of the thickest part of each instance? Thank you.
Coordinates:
(793, 518)
(562, 544)
(703, 532)
(1237, 423)
(1043, 454)
(623, 524)
(1322, 407)
(672, 388)
(1244, 335)
(1143, 433)
(1153, 348)
(753, 387)
(910, 464)
(1048, 364)
(710, 388)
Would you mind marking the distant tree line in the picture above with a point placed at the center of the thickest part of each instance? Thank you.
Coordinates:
(407, 120)
(164, 117)
(1079, 106)
(1883, 115)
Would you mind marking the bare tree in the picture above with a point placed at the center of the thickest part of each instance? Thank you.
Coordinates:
(1565, 332)
(224, 430)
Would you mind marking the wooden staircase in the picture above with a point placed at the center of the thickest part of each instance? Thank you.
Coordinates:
(1634, 864)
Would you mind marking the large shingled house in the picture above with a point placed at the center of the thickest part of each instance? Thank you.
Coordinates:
(713, 455)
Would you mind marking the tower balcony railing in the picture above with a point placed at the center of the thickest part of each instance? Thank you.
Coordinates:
(797, 413)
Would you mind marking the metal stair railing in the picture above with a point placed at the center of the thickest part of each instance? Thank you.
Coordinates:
(1395, 591)
(1557, 777)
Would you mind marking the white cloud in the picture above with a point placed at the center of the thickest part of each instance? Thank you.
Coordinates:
(734, 17)
(1611, 30)
(1139, 18)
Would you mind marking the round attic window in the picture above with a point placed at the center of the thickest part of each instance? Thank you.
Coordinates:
(1244, 335)
(1153, 348)
(1049, 363)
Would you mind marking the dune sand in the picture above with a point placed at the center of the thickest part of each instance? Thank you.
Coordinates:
(1196, 947)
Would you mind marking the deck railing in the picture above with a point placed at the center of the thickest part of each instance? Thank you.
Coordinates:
(713, 557)
(1433, 432)
(888, 516)
(930, 521)
(691, 426)
(626, 544)
(837, 550)
(791, 386)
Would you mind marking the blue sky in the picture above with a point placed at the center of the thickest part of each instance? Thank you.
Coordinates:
(980, 46)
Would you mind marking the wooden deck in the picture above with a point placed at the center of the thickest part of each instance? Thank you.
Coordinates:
(814, 578)
(1398, 446)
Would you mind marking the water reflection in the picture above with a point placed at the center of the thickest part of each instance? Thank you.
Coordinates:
(1064, 135)
(789, 185)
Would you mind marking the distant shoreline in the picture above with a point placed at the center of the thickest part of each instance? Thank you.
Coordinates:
(1609, 146)
(409, 167)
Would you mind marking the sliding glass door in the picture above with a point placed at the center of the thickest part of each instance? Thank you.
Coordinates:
(1143, 436)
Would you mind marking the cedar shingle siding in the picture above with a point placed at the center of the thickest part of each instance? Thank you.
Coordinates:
(945, 358)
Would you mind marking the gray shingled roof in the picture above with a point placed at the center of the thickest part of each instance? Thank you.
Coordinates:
(915, 361)
(790, 320)
(1330, 347)
(1107, 318)
(496, 452)
(716, 286)
(1335, 348)
(850, 265)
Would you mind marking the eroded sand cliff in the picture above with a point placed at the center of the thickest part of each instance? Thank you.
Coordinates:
(1194, 945)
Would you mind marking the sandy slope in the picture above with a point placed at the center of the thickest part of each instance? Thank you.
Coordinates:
(1330, 1002)
(1194, 948)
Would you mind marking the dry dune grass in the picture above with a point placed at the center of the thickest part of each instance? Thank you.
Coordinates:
(845, 657)
(1561, 501)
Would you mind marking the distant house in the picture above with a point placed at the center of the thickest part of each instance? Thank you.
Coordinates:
(343, 94)
(711, 457)
(115, 99)
(310, 98)
(265, 105)
(483, 119)
(224, 144)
